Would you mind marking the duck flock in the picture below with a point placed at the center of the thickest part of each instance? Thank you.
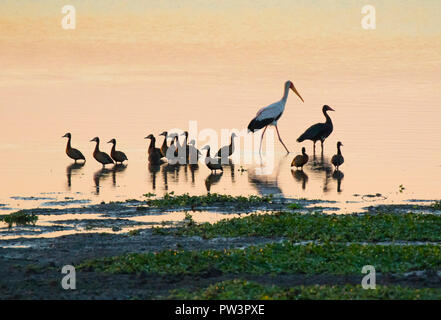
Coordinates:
(186, 152)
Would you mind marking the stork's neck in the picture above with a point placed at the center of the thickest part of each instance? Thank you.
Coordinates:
(97, 146)
(338, 150)
(113, 146)
(232, 141)
(208, 152)
(304, 152)
(285, 94)
(328, 118)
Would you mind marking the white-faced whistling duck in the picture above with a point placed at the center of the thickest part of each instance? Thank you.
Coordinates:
(212, 163)
(227, 151)
(164, 146)
(118, 156)
(71, 152)
(193, 152)
(300, 160)
(185, 145)
(269, 115)
(101, 156)
(154, 153)
(319, 131)
(337, 159)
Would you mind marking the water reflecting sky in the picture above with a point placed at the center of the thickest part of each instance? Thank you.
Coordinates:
(130, 69)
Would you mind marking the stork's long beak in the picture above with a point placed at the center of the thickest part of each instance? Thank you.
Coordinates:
(109, 141)
(330, 109)
(296, 92)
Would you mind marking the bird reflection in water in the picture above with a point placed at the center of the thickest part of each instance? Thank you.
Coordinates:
(322, 164)
(72, 168)
(101, 174)
(171, 170)
(338, 175)
(212, 179)
(153, 169)
(300, 176)
(117, 168)
(265, 183)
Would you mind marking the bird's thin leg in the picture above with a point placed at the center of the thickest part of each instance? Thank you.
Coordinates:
(280, 139)
(322, 145)
(261, 139)
(314, 148)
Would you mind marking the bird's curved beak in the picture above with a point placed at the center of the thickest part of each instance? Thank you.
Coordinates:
(109, 141)
(64, 136)
(92, 140)
(330, 109)
(296, 92)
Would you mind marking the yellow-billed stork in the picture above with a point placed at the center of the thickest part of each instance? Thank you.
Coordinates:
(269, 115)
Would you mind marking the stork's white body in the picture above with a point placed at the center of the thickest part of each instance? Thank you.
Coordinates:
(269, 115)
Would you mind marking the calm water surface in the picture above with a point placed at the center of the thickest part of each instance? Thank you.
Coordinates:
(218, 65)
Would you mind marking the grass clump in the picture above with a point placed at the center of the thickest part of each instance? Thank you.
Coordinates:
(276, 258)
(248, 290)
(172, 201)
(324, 227)
(19, 218)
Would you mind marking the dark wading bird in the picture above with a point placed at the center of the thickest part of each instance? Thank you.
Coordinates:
(319, 131)
(100, 156)
(212, 163)
(71, 152)
(154, 153)
(300, 160)
(118, 156)
(271, 114)
(337, 159)
(226, 151)
(164, 146)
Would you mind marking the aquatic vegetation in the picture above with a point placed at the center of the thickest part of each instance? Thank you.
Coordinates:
(324, 227)
(19, 218)
(250, 290)
(172, 200)
(276, 258)
(135, 232)
(437, 205)
(294, 206)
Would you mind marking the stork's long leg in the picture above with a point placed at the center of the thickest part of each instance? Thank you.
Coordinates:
(261, 139)
(280, 139)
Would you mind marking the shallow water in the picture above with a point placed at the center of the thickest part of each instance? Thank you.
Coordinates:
(217, 65)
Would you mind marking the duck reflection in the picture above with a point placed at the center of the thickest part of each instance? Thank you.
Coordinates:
(212, 179)
(100, 175)
(322, 165)
(230, 166)
(117, 168)
(153, 169)
(300, 176)
(338, 175)
(72, 168)
(171, 170)
(193, 169)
